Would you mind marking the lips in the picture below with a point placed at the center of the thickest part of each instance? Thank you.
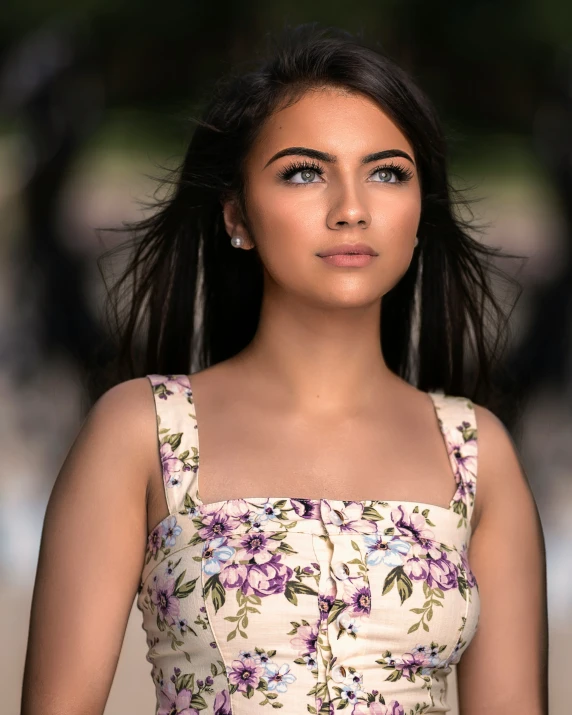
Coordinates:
(348, 248)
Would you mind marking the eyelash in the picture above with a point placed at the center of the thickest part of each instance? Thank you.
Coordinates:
(403, 174)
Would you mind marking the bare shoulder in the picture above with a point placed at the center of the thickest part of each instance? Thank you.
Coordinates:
(501, 476)
(121, 424)
(130, 401)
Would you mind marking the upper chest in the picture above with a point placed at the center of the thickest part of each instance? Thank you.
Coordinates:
(251, 448)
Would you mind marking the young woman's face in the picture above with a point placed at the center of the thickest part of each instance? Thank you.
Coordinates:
(332, 169)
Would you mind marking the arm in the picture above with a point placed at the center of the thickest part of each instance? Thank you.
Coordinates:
(504, 669)
(91, 556)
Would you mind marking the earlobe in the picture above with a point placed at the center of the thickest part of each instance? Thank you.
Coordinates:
(234, 225)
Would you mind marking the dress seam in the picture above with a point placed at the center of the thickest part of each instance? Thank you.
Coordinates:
(215, 638)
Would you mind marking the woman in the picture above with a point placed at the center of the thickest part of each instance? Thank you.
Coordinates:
(322, 562)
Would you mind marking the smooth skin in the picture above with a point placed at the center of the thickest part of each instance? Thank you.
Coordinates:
(308, 409)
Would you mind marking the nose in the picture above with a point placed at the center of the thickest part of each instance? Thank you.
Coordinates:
(349, 209)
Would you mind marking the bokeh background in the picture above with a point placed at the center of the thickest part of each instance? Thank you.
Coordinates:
(95, 103)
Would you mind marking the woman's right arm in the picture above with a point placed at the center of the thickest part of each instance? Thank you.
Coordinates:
(91, 556)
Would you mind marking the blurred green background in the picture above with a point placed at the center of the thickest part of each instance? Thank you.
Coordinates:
(95, 102)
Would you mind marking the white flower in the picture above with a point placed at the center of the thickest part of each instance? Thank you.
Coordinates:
(279, 678)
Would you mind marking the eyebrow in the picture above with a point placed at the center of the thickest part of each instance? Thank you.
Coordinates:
(331, 159)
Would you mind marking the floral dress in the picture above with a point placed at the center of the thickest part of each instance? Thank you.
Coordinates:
(308, 605)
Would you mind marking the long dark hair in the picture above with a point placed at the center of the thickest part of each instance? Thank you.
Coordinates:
(187, 299)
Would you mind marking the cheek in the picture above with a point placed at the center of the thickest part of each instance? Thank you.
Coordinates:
(288, 227)
(398, 218)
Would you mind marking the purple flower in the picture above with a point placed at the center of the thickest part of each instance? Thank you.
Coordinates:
(305, 640)
(359, 599)
(410, 664)
(306, 508)
(245, 673)
(416, 568)
(324, 605)
(464, 455)
(222, 703)
(233, 575)
(347, 518)
(163, 596)
(442, 573)
(414, 527)
(173, 703)
(171, 465)
(255, 546)
(326, 599)
(216, 524)
(155, 539)
(236, 510)
(266, 579)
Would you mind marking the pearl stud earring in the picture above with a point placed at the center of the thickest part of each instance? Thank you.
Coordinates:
(416, 241)
(237, 241)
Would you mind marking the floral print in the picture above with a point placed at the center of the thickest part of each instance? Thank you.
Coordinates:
(308, 605)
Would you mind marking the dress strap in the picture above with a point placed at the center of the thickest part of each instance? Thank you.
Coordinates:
(458, 424)
(178, 440)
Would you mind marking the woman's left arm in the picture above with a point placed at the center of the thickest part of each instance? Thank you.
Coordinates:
(504, 669)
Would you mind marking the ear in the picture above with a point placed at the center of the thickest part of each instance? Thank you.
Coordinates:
(234, 223)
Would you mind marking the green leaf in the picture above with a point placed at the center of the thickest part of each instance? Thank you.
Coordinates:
(371, 514)
(414, 627)
(404, 585)
(390, 580)
(175, 440)
(180, 577)
(290, 595)
(302, 588)
(216, 589)
(186, 589)
(285, 548)
(337, 607)
(198, 702)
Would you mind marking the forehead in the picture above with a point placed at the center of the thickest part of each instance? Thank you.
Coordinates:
(344, 123)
